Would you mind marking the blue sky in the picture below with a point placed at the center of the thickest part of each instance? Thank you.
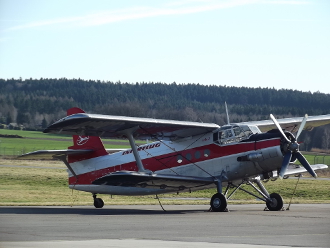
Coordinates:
(251, 43)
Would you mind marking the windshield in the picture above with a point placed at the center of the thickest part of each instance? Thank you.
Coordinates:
(234, 133)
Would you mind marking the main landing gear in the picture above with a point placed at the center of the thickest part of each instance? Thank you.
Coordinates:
(274, 201)
(98, 202)
(218, 203)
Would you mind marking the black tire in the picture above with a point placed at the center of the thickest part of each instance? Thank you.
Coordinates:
(218, 203)
(98, 203)
(276, 202)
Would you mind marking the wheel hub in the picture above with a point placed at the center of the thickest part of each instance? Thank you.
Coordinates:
(216, 202)
(273, 202)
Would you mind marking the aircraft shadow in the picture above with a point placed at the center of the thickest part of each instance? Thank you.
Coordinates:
(91, 211)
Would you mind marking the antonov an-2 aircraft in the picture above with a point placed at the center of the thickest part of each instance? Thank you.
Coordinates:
(184, 157)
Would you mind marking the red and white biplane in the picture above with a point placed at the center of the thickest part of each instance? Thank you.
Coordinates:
(185, 156)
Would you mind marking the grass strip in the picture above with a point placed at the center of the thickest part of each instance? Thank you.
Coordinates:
(22, 185)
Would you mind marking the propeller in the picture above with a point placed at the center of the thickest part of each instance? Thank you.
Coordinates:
(302, 125)
(293, 147)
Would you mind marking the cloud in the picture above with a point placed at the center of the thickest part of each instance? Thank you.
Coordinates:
(182, 7)
(297, 2)
(4, 39)
(46, 23)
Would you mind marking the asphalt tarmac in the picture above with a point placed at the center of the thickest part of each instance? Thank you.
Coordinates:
(304, 225)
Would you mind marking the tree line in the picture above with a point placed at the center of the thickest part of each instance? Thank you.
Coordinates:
(35, 103)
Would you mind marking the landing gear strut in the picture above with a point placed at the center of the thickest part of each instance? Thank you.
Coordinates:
(274, 201)
(98, 202)
(218, 201)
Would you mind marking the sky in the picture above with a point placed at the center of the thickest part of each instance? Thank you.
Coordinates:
(251, 43)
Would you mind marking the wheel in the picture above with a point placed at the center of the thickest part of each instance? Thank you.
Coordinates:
(98, 203)
(218, 203)
(276, 202)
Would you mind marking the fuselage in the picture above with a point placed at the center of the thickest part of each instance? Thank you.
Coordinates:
(228, 153)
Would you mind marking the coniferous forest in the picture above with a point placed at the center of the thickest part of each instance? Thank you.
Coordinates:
(35, 103)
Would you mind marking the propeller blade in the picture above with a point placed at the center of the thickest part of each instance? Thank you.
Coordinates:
(302, 125)
(305, 163)
(279, 127)
(285, 164)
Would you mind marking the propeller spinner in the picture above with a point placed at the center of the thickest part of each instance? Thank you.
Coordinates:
(293, 148)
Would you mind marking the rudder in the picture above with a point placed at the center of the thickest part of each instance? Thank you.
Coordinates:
(85, 142)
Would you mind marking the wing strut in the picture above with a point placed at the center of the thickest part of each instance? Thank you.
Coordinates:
(63, 159)
(129, 134)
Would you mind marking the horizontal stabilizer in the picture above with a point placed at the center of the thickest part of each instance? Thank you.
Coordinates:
(159, 181)
(54, 154)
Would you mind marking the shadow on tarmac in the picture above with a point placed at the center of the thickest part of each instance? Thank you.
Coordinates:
(92, 211)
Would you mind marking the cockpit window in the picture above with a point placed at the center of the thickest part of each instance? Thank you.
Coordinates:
(233, 133)
(239, 133)
(247, 130)
(255, 129)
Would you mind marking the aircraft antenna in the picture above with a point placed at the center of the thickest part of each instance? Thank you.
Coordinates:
(228, 122)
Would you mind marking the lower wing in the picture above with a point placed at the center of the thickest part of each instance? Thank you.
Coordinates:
(294, 169)
(144, 180)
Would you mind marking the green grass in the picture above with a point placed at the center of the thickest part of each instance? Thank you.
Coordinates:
(28, 145)
(33, 143)
(34, 186)
(33, 134)
(318, 159)
(34, 140)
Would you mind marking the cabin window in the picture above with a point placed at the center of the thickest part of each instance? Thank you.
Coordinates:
(207, 152)
(197, 154)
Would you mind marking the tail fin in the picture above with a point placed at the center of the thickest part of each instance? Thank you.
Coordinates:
(85, 142)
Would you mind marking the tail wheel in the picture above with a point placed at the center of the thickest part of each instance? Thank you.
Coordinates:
(98, 203)
(275, 203)
(218, 203)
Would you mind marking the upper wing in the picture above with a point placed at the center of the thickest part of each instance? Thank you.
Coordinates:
(112, 126)
(291, 124)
